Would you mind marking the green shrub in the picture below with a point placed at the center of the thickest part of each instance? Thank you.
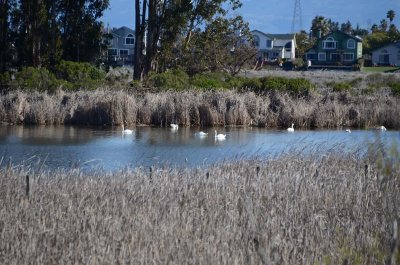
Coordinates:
(79, 75)
(173, 79)
(299, 86)
(395, 87)
(254, 84)
(40, 79)
(209, 81)
(341, 86)
(5, 79)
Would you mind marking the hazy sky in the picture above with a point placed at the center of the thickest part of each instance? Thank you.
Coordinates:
(275, 16)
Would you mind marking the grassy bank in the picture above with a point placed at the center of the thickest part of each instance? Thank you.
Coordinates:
(289, 211)
(318, 109)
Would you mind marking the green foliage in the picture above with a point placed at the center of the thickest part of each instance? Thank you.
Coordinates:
(173, 79)
(79, 75)
(294, 85)
(395, 87)
(340, 86)
(209, 81)
(40, 79)
(5, 79)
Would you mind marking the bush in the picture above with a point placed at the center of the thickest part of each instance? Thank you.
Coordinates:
(5, 79)
(209, 81)
(79, 75)
(395, 87)
(298, 86)
(174, 79)
(40, 79)
(341, 86)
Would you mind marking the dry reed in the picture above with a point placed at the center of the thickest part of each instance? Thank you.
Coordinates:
(290, 210)
(191, 108)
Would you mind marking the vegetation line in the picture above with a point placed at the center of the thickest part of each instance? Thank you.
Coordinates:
(196, 108)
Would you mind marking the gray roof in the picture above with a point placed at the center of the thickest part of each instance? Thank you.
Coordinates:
(276, 36)
(396, 44)
(123, 31)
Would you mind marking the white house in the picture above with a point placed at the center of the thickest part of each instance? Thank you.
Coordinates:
(274, 46)
(387, 55)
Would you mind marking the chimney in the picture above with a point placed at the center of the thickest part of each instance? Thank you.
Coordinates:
(319, 34)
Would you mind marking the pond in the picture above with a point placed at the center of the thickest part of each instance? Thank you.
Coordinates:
(54, 147)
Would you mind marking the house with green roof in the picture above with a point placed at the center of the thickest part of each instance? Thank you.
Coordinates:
(336, 48)
(274, 46)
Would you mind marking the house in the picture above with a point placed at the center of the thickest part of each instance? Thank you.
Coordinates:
(387, 55)
(121, 47)
(274, 46)
(336, 48)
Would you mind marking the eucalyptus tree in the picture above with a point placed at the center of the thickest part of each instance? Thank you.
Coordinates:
(347, 27)
(165, 26)
(81, 28)
(29, 22)
(6, 8)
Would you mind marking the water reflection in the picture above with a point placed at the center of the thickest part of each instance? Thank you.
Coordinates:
(88, 147)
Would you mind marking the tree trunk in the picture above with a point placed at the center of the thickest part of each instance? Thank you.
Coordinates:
(4, 9)
(140, 27)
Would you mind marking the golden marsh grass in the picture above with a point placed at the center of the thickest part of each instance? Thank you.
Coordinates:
(291, 210)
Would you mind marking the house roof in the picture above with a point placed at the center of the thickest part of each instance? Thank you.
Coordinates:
(396, 44)
(121, 32)
(276, 36)
(357, 38)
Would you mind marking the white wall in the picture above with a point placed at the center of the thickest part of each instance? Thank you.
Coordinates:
(394, 55)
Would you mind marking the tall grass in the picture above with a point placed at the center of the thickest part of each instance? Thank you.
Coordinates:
(210, 108)
(290, 210)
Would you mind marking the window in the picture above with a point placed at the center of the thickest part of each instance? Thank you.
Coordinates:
(112, 52)
(269, 44)
(129, 40)
(335, 57)
(351, 44)
(311, 56)
(384, 57)
(348, 57)
(256, 41)
(123, 52)
(329, 43)
(322, 56)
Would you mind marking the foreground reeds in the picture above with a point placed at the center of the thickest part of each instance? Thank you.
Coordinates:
(191, 108)
(290, 210)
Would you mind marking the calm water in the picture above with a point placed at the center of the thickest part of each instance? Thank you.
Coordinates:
(108, 148)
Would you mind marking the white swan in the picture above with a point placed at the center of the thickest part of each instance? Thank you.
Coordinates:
(382, 128)
(201, 134)
(126, 131)
(348, 130)
(220, 136)
(291, 129)
(174, 126)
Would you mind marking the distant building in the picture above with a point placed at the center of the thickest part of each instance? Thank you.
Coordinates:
(122, 46)
(387, 55)
(336, 48)
(274, 46)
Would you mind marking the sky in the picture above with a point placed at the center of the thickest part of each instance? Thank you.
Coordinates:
(275, 16)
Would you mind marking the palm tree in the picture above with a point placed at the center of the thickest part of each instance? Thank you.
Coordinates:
(390, 15)
(383, 26)
(319, 26)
